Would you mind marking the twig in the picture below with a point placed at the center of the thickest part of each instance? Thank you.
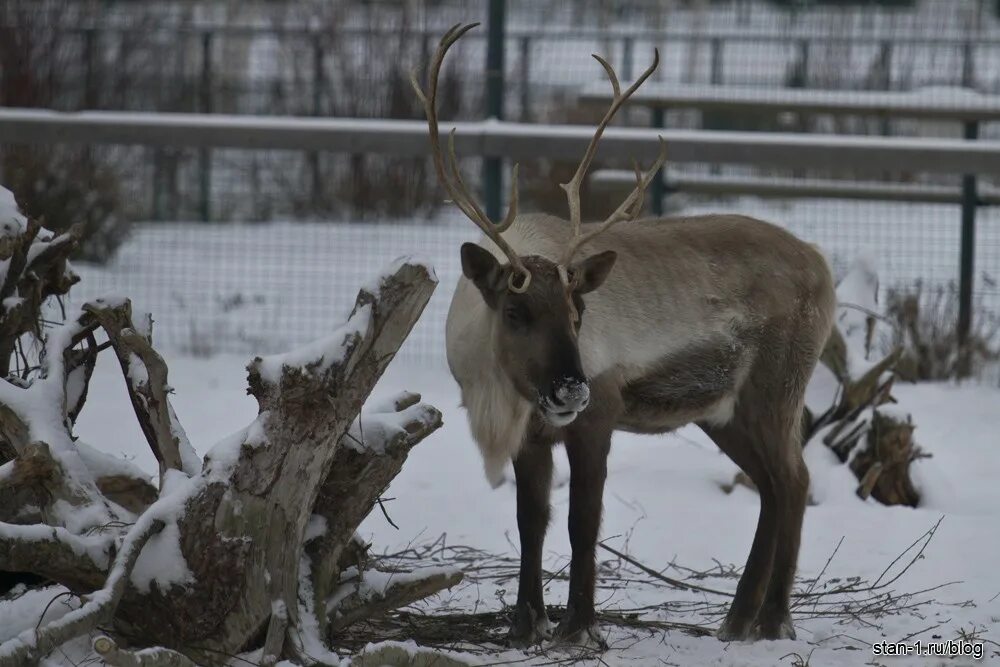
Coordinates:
(388, 518)
(677, 583)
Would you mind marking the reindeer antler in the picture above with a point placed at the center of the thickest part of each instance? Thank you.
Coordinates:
(454, 185)
(631, 207)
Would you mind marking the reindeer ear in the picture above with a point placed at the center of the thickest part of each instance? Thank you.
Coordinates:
(482, 268)
(590, 273)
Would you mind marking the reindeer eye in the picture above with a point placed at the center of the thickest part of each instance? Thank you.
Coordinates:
(515, 316)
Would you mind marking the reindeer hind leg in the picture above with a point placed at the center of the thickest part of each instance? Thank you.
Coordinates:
(738, 444)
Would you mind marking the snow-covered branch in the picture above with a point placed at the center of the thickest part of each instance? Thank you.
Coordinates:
(145, 375)
(99, 607)
(371, 455)
(77, 561)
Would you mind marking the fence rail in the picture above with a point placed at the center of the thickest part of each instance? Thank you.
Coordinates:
(874, 155)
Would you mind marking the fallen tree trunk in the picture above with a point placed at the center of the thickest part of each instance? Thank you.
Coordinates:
(242, 551)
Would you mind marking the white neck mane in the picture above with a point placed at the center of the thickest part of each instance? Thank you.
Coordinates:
(498, 415)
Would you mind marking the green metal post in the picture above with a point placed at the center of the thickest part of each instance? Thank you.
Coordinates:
(312, 157)
(205, 154)
(966, 282)
(492, 167)
(716, 70)
(658, 188)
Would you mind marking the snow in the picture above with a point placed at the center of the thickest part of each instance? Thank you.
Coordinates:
(12, 302)
(664, 498)
(374, 286)
(162, 562)
(308, 636)
(15, 619)
(265, 288)
(316, 527)
(318, 356)
(222, 458)
(857, 297)
(12, 222)
(95, 547)
(372, 429)
(137, 372)
(102, 464)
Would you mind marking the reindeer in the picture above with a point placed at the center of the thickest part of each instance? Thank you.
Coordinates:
(565, 332)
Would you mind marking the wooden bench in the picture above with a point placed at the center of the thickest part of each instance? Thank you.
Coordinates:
(784, 188)
(942, 104)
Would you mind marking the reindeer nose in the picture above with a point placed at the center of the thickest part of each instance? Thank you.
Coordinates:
(571, 394)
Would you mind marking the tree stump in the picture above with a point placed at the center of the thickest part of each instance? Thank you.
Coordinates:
(262, 529)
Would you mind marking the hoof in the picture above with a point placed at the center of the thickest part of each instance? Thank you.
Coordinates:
(781, 628)
(733, 630)
(588, 636)
(529, 629)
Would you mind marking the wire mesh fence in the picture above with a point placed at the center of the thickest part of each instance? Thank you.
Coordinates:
(233, 286)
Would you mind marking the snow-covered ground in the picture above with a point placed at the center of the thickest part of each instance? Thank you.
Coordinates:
(666, 507)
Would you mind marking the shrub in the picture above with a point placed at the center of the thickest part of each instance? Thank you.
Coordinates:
(926, 327)
(67, 187)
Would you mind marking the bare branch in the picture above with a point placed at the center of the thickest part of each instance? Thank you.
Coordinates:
(145, 374)
(80, 366)
(676, 583)
(243, 524)
(400, 592)
(36, 270)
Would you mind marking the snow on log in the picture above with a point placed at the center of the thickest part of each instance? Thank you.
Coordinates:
(76, 561)
(373, 450)
(243, 524)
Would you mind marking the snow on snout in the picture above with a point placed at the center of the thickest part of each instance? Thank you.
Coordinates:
(571, 392)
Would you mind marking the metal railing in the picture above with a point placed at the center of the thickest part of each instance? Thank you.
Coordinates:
(874, 155)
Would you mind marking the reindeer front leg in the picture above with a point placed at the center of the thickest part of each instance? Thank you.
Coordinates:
(587, 448)
(533, 474)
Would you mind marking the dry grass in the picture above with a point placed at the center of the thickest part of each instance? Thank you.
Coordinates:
(925, 322)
